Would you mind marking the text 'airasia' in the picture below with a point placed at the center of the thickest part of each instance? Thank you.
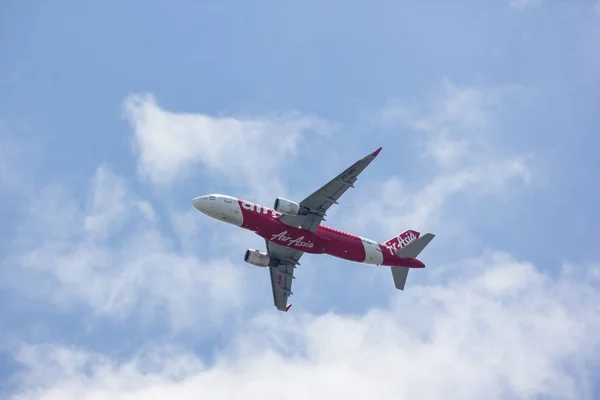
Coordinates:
(291, 229)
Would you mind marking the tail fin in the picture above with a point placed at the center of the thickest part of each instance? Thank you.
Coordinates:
(407, 245)
(403, 239)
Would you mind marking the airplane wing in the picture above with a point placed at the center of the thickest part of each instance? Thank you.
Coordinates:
(284, 261)
(319, 202)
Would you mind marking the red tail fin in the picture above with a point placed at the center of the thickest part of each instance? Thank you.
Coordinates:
(398, 242)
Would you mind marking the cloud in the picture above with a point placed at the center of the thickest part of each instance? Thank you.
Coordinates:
(454, 126)
(454, 133)
(110, 255)
(247, 151)
(492, 327)
(393, 205)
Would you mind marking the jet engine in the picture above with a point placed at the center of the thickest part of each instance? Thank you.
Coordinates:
(257, 258)
(285, 206)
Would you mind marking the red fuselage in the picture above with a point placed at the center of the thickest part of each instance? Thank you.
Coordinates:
(265, 222)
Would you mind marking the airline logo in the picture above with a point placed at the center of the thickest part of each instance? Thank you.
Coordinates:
(290, 241)
(257, 208)
(401, 241)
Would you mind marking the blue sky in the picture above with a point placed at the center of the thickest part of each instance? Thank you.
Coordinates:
(113, 116)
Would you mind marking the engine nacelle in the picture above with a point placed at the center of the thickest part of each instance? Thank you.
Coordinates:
(257, 258)
(285, 206)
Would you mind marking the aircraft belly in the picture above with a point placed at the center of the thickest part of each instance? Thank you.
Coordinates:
(349, 249)
(294, 238)
(255, 217)
(264, 222)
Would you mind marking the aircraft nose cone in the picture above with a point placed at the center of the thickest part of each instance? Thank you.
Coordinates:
(199, 203)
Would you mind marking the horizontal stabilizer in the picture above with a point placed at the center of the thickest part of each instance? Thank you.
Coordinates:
(413, 249)
(400, 274)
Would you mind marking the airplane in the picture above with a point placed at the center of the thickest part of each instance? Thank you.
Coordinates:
(291, 229)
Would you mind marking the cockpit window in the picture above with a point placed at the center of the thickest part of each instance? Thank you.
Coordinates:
(212, 197)
(227, 200)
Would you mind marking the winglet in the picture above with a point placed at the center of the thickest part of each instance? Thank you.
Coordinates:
(376, 152)
(287, 307)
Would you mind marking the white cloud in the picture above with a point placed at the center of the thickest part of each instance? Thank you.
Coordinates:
(499, 329)
(111, 256)
(247, 151)
(455, 131)
(455, 126)
(109, 205)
